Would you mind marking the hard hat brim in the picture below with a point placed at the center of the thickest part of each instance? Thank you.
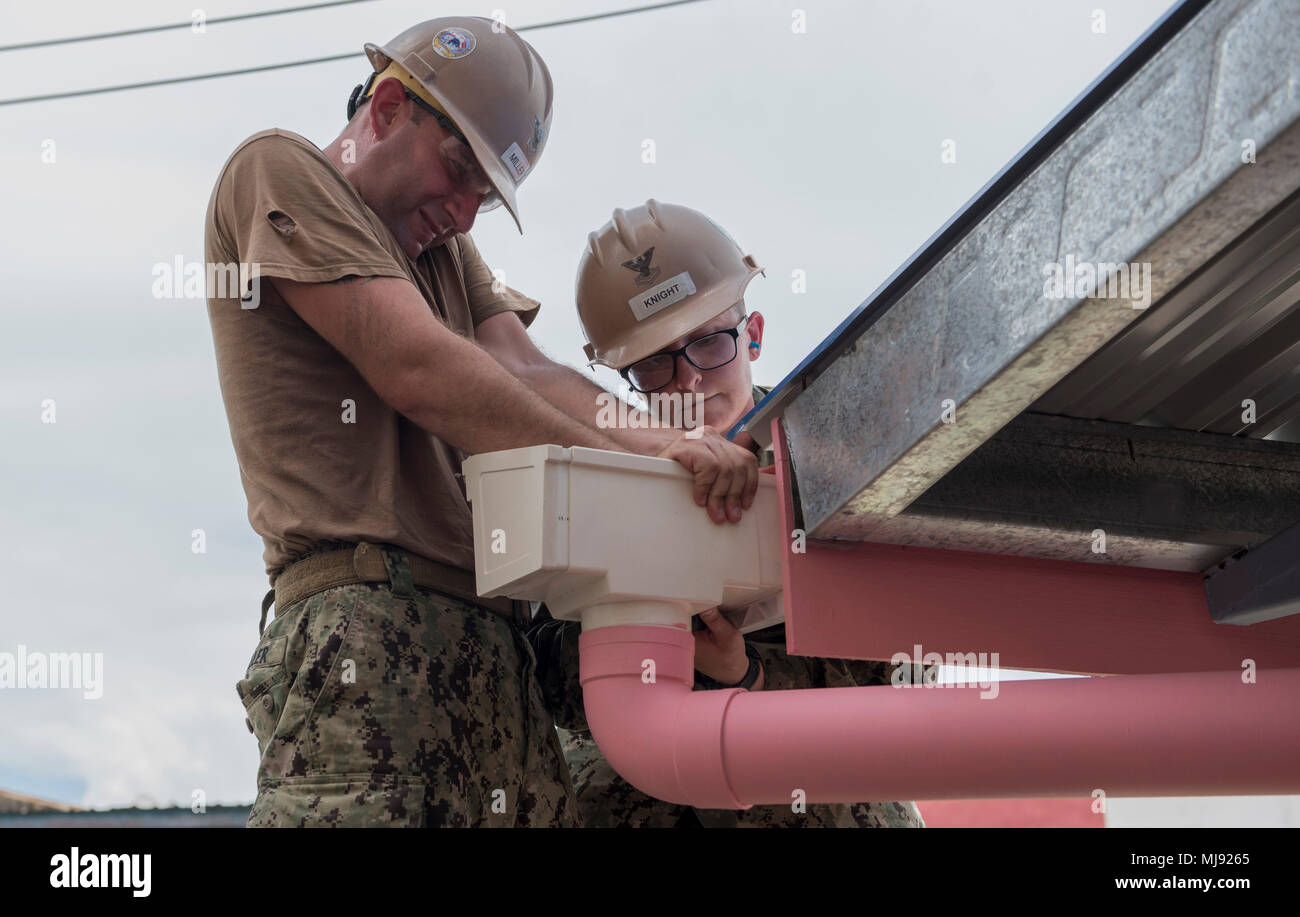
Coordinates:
(675, 325)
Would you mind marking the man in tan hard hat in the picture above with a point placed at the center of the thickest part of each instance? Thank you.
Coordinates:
(376, 352)
(697, 340)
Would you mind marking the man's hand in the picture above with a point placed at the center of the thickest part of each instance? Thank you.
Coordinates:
(726, 475)
(720, 650)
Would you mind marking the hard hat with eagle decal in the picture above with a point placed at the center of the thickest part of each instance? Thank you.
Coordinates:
(651, 275)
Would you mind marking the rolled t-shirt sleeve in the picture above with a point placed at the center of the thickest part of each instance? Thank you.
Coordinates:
(285, 208)
(484, 301)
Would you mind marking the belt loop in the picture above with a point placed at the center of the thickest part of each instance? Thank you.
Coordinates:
(359, 552)
(399, 571)
(266, 604)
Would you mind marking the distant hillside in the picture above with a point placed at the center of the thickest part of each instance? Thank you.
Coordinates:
(18, 804)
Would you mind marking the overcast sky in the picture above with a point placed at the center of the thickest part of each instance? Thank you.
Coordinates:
(818, 151)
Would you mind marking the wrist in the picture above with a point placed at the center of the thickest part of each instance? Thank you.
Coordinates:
(752, 678)
(644, 441)
(734, 675)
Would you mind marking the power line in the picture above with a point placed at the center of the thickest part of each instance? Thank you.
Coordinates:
(178, 79)
(610, 15)
(46, 43)
(75, 93)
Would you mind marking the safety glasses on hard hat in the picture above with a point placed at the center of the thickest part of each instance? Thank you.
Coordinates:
(467, 176)
(712, 351)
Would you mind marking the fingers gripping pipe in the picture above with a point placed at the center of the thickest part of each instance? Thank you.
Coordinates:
(1202, 733)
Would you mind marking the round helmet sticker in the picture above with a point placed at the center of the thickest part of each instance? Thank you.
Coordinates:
(453, 43)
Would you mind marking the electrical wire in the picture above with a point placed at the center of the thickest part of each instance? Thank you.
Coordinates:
(76, 93)
(122, 33)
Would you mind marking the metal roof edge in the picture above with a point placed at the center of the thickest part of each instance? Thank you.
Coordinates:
(757, 421)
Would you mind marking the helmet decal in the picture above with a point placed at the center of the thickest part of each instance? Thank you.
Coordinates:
(516, 162)
(672, 290)
(645, 274)
(453, 43)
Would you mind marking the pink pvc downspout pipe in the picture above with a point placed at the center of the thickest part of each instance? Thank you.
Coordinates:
(1186, 734)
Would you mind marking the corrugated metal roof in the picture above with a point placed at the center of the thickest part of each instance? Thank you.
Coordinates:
(1085, 106)
(1228, 334)
(1150, 173)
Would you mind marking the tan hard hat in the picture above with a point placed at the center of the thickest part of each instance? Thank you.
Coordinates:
(490, 82)
(651, 275)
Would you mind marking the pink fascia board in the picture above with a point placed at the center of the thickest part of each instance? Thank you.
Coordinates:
(860, 600)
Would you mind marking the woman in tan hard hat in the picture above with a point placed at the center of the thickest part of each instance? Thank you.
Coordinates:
(660, 295)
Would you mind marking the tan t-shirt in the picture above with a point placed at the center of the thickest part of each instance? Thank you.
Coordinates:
(321, 457)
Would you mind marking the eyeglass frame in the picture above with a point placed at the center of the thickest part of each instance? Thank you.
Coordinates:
(362, 92)
(491, 200)
(681, 351)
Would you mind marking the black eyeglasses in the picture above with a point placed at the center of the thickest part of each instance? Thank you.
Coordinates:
(437, 115)
(712, 351)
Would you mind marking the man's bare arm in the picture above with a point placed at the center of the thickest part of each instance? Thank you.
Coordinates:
(421, 368)
(505, 337)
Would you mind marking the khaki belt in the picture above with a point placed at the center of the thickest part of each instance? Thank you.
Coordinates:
(365, 564)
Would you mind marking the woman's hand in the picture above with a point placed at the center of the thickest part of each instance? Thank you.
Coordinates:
(720, 650)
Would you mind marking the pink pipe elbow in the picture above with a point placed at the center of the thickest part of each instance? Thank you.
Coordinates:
(655, 731)
(1185, 734)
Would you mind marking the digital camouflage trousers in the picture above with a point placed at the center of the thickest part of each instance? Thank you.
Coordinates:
(386, 704)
